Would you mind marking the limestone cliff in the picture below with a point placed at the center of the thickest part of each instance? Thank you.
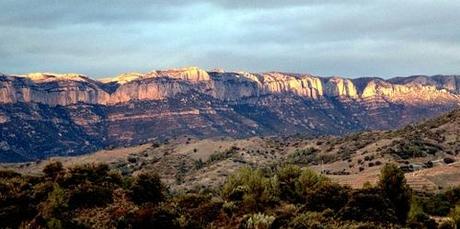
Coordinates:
(67, 89)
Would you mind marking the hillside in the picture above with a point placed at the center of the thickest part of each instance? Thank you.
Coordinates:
(428, 152)
(407, 178)
(48, 114)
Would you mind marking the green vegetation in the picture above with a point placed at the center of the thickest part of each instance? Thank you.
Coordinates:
(93, 196)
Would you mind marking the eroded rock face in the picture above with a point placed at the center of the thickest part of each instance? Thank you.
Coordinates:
(67, 89)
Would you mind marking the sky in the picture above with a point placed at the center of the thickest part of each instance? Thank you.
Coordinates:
(352, 38)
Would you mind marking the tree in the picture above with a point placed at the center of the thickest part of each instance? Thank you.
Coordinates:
(393, 184)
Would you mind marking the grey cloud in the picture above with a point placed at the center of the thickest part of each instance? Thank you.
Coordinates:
(352, 38)
(51, 13)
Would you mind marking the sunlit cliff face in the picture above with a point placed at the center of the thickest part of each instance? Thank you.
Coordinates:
(66, 89)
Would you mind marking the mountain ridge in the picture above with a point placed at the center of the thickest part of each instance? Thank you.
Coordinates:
(46, 114)
(155, 85)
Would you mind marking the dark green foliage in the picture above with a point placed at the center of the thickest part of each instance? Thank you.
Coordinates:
(328, 196)
(310, 220)
(306, 156)
(455, 215)
(441, 204)
(448, 160)
(413, 147)
(16, 201)
(147, 188)
(219, 156)
(149, 217)
(369, 205)
(422, 220)
(288, 177)
(198, 164)
(92, 196)
(393, 184)
(89, 195)
(252, 189)
(53, 169)
(198, 209)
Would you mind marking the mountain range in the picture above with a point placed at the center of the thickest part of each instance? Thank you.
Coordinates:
(46, 114)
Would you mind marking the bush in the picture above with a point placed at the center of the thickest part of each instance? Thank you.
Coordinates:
(368, 205)
(53, 169)
(159, 217)
(303, 156)
(257, 221)
(89, 195)
(448, 160)
(437, 205)
(147, 188)
(198, 209)
(422, 220)
(309, 220)
(56, 204)
(327, 196)
(309, 181)
(455, 215)
(94, 173)
(447, 224)
(251, 188)
(288, 177)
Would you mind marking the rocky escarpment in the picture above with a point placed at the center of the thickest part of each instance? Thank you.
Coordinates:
(67, 89)
(44, 114)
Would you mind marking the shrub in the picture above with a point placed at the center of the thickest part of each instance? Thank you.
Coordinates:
(257, 221)
(198, 164)
(448, 160)
(288, 177)
(303, 156)
(327, 196)
(309, 181)
(437, 205)
(55, 205)
(89, 195)
(53, 169)
(447, 224)
(95, 173)
(250, 187)
(309, 220)
(147, 188)
(455, 215)
(422, 220)
(159, 217)
(368, 205)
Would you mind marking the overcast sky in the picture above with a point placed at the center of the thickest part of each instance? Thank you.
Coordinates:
(329, 37)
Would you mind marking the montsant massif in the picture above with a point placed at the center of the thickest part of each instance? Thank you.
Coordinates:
(45, 114)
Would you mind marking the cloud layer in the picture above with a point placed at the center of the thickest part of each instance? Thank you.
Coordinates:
(108, 37)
